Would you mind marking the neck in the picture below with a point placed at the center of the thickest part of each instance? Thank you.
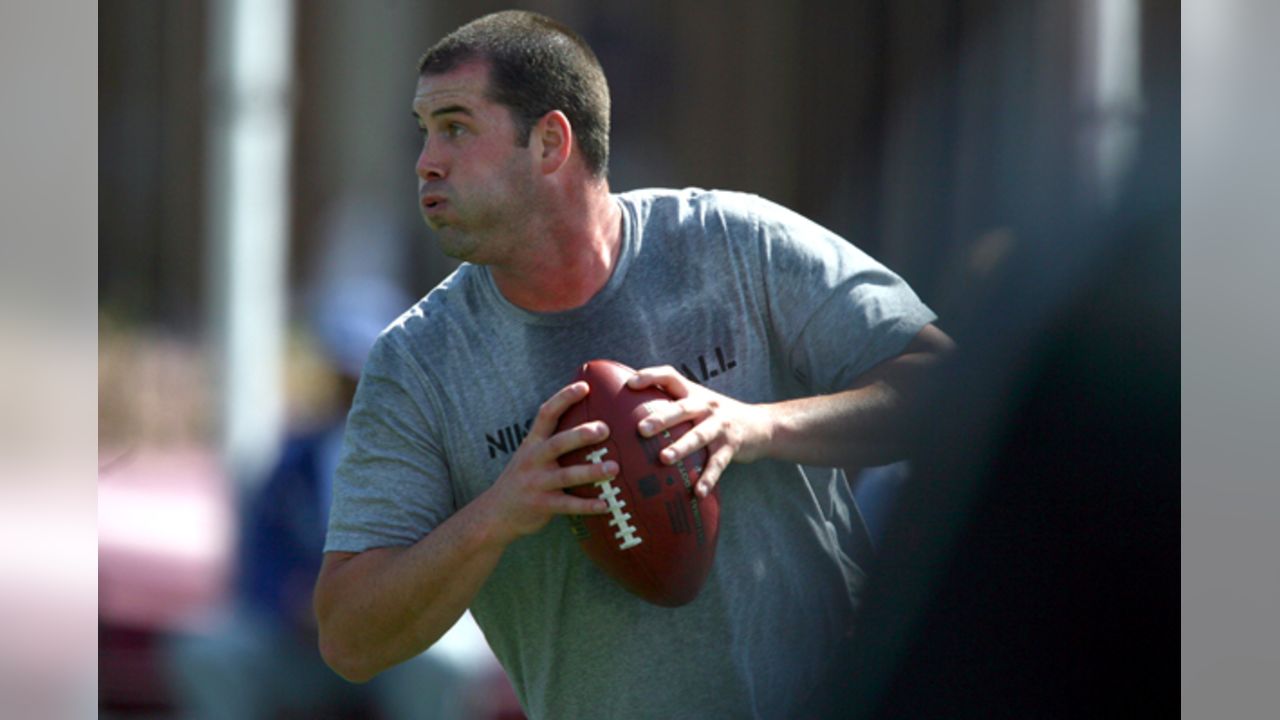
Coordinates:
(568, 256)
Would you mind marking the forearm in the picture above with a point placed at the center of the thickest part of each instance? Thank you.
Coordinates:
(863, 426)
(383, 606)
(854, 428)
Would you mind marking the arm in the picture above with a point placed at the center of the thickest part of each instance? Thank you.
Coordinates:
(861, 426)
(382, 606)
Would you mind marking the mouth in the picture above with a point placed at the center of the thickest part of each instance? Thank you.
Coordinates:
(432, 203)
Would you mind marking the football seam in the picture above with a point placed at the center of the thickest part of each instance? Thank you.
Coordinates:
(619, 519)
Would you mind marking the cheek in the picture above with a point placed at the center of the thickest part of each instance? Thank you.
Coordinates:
(501, 181)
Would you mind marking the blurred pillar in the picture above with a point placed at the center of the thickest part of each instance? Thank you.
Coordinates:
(250, 65)
(1111, 97)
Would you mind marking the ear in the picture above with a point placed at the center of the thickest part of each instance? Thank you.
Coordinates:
(554, 141)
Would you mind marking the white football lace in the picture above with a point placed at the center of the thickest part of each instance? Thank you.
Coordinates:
(609, 493)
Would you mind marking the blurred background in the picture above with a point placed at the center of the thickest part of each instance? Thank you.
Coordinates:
(256, 184)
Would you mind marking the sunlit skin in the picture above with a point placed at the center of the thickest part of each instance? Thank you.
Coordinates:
(548, 231)
(474, 182)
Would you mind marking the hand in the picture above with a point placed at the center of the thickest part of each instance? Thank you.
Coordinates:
(728, 429)
(530, 490)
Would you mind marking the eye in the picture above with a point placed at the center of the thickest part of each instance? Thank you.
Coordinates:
(454, 129)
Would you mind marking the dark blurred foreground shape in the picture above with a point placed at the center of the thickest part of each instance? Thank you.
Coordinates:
(1032, 566)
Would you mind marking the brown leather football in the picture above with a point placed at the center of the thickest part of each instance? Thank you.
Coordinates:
(658, 539)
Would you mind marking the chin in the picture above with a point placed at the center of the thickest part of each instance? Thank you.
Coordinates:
(455, 244)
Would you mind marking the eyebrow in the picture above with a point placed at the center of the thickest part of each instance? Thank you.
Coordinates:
(446, 110)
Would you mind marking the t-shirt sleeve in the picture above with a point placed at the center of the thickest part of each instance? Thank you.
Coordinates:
(834, 311)
(392, 484)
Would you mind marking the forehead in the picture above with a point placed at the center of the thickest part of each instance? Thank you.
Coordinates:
(465, 85)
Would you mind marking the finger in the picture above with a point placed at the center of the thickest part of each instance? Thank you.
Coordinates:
(566, 504)
(663, 376)
(576, 437)
(549, 414)
(699, 437)
(584, 474)
(716, 465)
(666, 415)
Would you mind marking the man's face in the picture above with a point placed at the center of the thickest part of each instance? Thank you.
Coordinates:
(474, 182)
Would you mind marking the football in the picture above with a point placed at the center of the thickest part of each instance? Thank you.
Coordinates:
(658, 539)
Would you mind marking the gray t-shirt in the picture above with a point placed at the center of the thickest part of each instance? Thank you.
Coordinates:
(741, 295)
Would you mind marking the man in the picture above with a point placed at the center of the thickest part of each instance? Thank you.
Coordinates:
(790, 350)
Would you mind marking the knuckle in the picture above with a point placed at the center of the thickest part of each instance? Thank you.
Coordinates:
(545, 504)
(570, 441)
(553, 448)
(702, 435)
(580, 475)
(562, 441)
(535, 482)
(733, 441)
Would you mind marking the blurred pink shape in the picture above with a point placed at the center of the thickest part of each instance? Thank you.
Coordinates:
(165, 539)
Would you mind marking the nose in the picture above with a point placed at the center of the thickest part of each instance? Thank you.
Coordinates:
(430, 166)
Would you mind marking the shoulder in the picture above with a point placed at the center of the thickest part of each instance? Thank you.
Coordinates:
(736, 214)
(694, 202)
(419, 337)
(453, 297)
